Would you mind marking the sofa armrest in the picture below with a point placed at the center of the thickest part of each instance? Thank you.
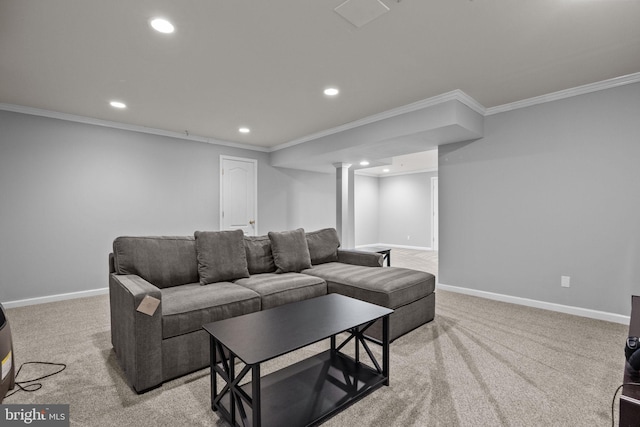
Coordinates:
(355, 257)
(112, 263)
(136, 337)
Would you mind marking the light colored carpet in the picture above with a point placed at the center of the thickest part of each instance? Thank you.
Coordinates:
(419, 260)
(479, 363)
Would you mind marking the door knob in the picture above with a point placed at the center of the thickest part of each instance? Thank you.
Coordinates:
(252, 222)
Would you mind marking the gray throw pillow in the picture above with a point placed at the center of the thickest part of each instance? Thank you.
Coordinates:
(290, 251)
(221, 256)
(259, 256)
(323, 245)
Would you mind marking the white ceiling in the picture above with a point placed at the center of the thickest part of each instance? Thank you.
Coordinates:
(264, 64)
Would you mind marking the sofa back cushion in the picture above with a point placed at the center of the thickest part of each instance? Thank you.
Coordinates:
(323, 245)
(162, 261)
(221, 256)
(290, 251)
(259, 255)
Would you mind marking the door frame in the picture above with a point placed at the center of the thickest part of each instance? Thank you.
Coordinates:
(435, 217)
(255, 186)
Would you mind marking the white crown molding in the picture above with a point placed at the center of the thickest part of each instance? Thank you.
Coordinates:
(123, 126)
(566, 93)
(454, 95)
(470, 102)
(567, 309)
(467, 100)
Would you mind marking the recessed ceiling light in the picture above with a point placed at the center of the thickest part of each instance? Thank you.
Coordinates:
(118, 104)
(364, 163)
(331, 91)
(385, 170)
(244, 130)
(162, 25)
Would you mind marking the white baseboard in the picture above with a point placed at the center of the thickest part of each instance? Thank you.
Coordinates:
(52, 298)
(577, 311)
(418, 248)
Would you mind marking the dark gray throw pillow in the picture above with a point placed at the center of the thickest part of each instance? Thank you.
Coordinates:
(259, 256)
(323, 245)
(290, 251)
(221, 256)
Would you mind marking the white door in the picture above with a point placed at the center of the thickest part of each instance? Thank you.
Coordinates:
(434, 213)
(238, 194)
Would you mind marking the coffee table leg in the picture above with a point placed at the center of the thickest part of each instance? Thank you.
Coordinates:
(232, 377)
(356, 332)
(214, 380)
(385, 348)
(255, 394)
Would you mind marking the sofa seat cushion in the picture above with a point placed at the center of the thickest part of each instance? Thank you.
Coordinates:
(283, 288)
(186, 308)
(390, 287)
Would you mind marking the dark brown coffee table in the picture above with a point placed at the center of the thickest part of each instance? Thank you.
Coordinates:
(307, 392)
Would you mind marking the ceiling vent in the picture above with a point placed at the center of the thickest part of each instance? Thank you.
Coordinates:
(361, 12)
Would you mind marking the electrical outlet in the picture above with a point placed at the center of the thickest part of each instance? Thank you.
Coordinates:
(565, 281)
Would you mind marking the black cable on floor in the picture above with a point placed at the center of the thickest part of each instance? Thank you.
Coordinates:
(32, 385)
(613, 401)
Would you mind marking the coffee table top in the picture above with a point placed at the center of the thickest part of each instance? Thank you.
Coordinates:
(263, 335)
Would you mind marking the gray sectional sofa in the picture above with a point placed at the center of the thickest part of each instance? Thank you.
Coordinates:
(216, 275)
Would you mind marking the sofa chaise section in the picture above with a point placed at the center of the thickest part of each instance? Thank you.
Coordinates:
(360, 275)
(410, 293)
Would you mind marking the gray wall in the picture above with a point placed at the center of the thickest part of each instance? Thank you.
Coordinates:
(388, 209)
(292, 198)
(68, 189)
(551, 190)
(405, 209)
